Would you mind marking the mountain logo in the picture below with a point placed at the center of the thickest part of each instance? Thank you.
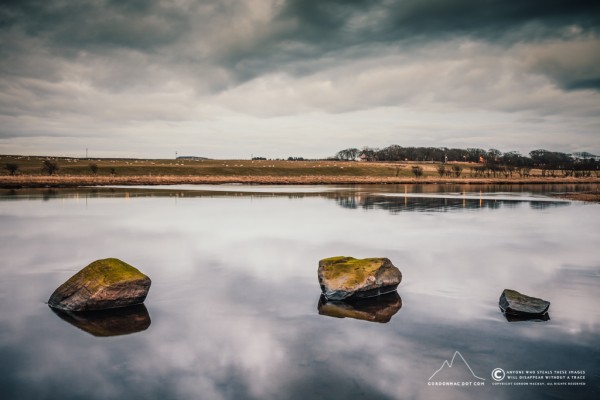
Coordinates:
(448, 365)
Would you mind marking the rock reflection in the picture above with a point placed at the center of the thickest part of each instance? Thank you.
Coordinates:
(526, 317)
(374, 309)
(113, 322)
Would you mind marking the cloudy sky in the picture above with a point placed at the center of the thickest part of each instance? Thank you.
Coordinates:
(279, 78)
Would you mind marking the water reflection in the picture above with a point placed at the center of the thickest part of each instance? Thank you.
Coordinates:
(424, 198)
(409, 197)
(113, 322)
(221, 265)
(396, 204)
(525, 317)
(374, 309)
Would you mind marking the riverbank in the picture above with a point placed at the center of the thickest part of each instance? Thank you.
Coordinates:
(70, 181)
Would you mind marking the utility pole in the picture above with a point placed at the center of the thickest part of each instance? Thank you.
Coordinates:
(86, 152)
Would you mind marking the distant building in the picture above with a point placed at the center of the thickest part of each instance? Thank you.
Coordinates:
(363, 157)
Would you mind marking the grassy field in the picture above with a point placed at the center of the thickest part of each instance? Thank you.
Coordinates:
(30, 165)
(161, 167)
(77, 172)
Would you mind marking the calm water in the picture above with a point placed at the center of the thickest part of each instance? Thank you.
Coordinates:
(234, 310)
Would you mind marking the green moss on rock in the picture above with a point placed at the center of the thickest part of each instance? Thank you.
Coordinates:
(341, 277)
(350, 269)
(106, 272)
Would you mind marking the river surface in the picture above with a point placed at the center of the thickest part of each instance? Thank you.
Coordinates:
(234, 311)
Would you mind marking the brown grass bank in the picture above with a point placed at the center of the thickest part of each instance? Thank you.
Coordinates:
(74, 172)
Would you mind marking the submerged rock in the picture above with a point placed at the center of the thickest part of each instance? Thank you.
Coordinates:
(107, 283)
(373, 309)
(112, 322)
(345, 277)
(514, 303)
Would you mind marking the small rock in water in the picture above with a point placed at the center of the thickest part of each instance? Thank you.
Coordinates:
(107, 283)
(515, 303)
(344, 277)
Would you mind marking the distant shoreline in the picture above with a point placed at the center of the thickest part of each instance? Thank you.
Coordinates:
(77, 172)
(71, 181)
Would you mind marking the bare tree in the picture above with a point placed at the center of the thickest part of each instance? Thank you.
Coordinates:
(94, 168)
(457, 169)
(50, 167)
(12, 168)
(441, 169)
(417, 171)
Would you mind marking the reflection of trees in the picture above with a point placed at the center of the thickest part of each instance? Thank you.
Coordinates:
(542, 205)
(348, 201)
(132, 192)
(48, 194)
(418, 197)
(396, 204)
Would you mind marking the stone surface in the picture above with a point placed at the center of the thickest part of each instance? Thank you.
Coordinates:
(111, 322)
(373, 309)
(514, 303)
(346, 277)
(107, 283)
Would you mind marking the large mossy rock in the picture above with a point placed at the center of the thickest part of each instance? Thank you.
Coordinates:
(108, 283)
(516, 304)
(346, 277)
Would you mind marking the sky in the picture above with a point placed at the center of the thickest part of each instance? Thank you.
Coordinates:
(303, 78)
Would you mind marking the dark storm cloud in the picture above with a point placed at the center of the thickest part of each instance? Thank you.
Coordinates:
(112, 22)
(322, 28)
(137, 24)
(299, 30)
(491, 18)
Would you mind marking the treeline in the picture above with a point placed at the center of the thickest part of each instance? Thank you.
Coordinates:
(492, 162)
